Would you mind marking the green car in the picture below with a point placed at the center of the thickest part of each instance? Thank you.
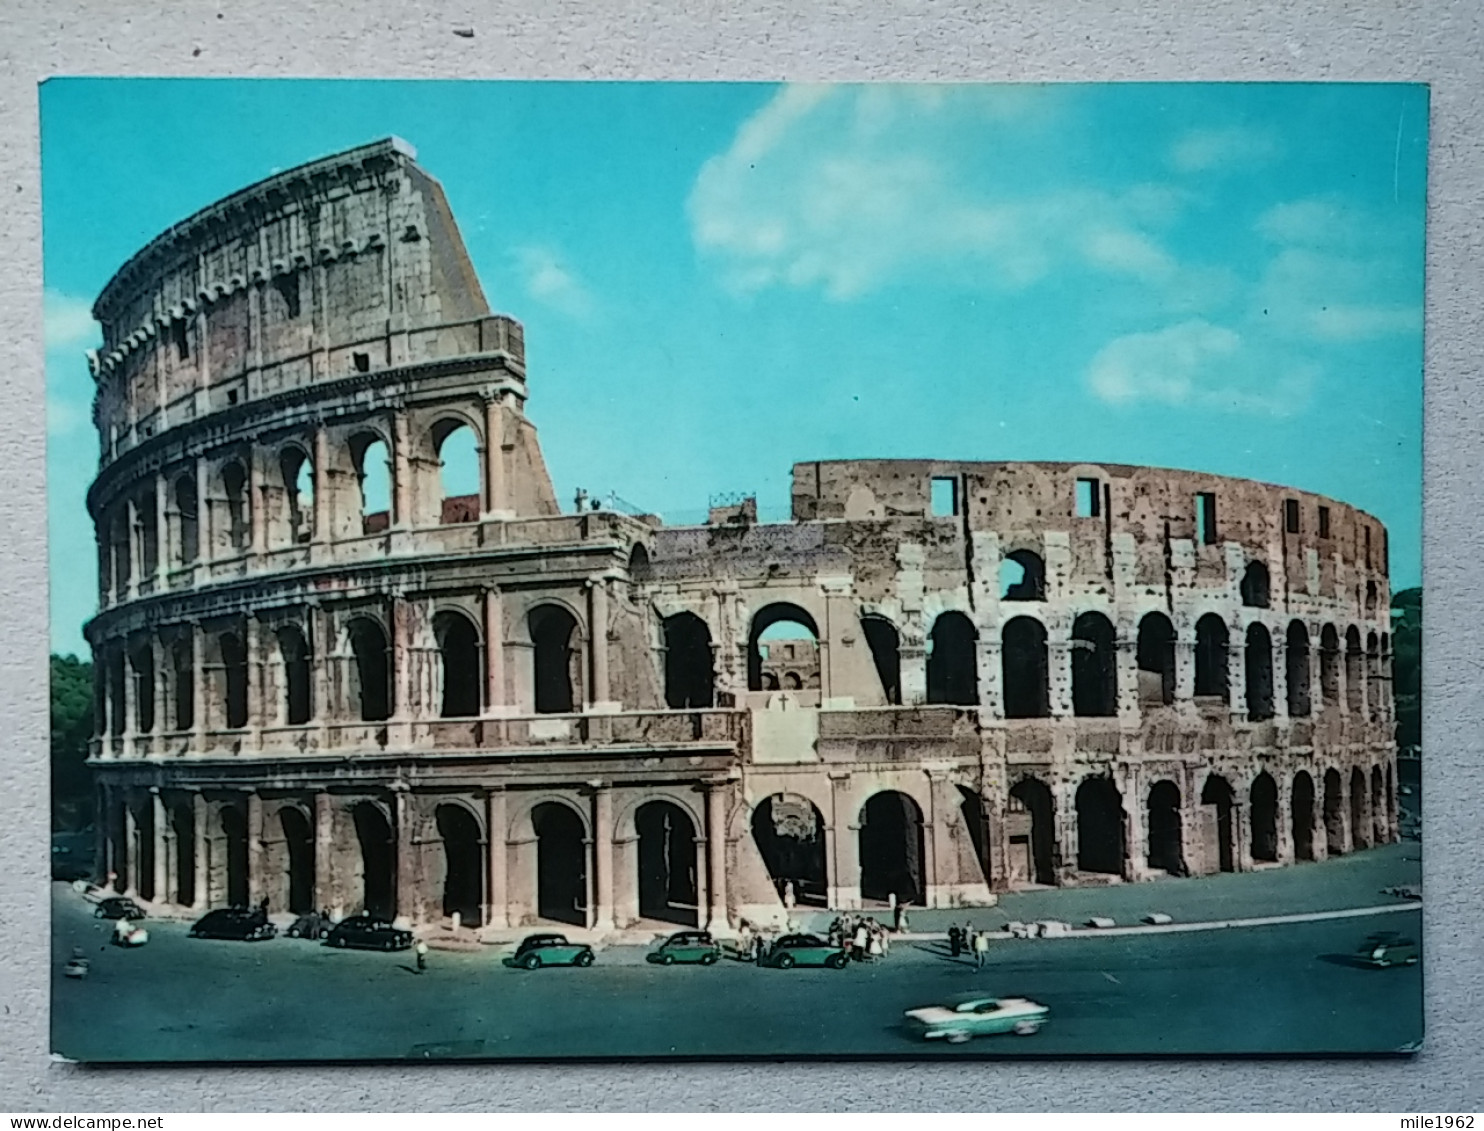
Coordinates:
(804, 950)
(686, 946)
(977, 1016)
(536, 951)
(1387, 948)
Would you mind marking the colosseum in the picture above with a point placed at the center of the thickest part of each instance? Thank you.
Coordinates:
(937, 682)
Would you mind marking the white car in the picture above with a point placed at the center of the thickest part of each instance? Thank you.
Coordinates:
(977, 1015)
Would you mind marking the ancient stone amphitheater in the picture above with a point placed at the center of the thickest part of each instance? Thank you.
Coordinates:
(979, 676)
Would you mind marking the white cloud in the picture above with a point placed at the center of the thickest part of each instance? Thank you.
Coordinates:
(69, 322)
(548, 280)
(846, 189)
(65, 417)
(1346, 323)
(1196, 364)
(1202, 151)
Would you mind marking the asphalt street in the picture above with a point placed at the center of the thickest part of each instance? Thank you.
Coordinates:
(1277, 989)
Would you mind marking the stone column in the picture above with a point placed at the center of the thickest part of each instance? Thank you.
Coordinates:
(405, 896)
(135, 555)
(401, 515)
(1134, 802)
(325, 895)
(940, 869)
(159, 654)
(1242, 831)
(322, 518)
(1126, 660)
(205, 547)
(494, 653)
(161, 846)
(1059, 671)
(1236, 672)
(842, 844)
(716, 858)
(103, 681)
(198, 689)
(321, 653)
(163, 540)
(131, 703)
(102, 864)
(401, 660)
(603, 855)
(1184, 670)
(256, 704)
(495, 820)
(131, 845)
(991, 674)
(257, 501)
(597, 606)
(1280, 677)
(496, 503)
(200, 814)
(254, 848)
(913, 671)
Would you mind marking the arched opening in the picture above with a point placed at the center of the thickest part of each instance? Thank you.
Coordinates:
(234, 841)
(640, 570)
(1302, 816)
(298, 704)
(1329, 664)
(463, 864)
(770, 682)
(1094, 667)
(1264, 797)
(458, 661)
(561, 864)
(668, 890)
(1023, 576)
(1023, 669)
(690, 673)
(1030, 829)
(1360, 816)
(370, 683)
(378, 860)
(552, 629)
(234, 667)
(976, 821)
(1259, 673)
(1166, 844)
(142, 661)
(459, 471)
(953, 661)
(1100, 839)
(123, 565)
(1354, 660)
(118, 677)
(1255, 586)
(886, 652)
(188, 508)
(144, 849)
(1212, 652)
(234, 492)
(297, 473)
(891, 848)
(1156, 659)
(183, 825)
(1297, 669)
(792, 681)
(1218, 800)
(1334, 813)
(789, 833)
(774, 628)
(373, 467)
(1370, 600)
(183, 672)
(298, 840)
(146, 520)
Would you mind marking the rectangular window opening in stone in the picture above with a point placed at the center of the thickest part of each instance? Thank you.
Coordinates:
(287, 287)
(945, 497)
(362, 362)
(1205, 518)
(1089, 498)
(1291, 516)
(178, 335)
(1324, 522)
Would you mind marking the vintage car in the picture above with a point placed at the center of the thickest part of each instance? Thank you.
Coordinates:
(237, 923)
(1387, 948)
(977, 1016)
(549, 950)
(803, 950)
(117, 907)
(313, 925)
(686, 946)
(367, 932)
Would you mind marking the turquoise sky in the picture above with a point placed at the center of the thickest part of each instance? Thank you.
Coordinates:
(719, 280)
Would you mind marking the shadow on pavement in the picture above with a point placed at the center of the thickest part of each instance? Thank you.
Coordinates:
(944, 953)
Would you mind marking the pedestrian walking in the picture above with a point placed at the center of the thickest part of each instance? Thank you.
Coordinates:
(981, 948)
(421, 950)
(789, 898)
(859, 942)
(955, 940)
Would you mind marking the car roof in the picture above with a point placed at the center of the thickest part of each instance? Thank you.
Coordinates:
(534, 940)
(958, 1001)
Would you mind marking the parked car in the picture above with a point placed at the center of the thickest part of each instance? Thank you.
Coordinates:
(977, 1016)
(1387, 948)
(118, 907)
(366, 932)
(686, 946)
(234, 923)
(804, 950)
(314, 925)
(549, 950)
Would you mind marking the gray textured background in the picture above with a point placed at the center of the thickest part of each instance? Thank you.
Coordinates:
(1429, 41)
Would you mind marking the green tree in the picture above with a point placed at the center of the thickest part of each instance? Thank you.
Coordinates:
(72, 728)
(1406, 665)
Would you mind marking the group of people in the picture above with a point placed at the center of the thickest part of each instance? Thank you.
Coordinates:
(862, 936)
(966, 938)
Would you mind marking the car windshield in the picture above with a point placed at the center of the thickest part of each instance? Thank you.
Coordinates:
(542, 940)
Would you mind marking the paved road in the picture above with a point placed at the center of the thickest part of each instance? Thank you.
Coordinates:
(1264, 989)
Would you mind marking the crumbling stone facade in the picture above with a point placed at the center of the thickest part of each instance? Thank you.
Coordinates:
(1022, 673)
